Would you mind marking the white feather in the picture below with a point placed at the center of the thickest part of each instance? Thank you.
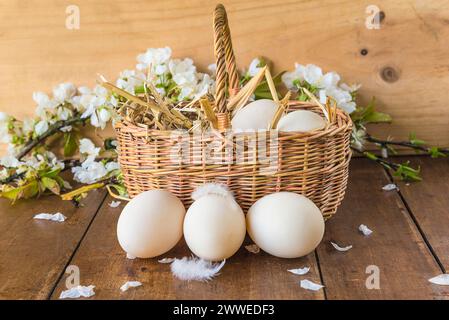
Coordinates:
(211, 188)
(195, 269)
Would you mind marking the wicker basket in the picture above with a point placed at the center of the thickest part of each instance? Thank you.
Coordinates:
(314, 164)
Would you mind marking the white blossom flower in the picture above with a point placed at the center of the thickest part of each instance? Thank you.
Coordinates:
(350, 88)
(4, 117)
(79, 101)
(343, 98)
(183, 71)
(358, 138)
(213, 69)
(176, 78)
(11, 149)
(254, 67)
(192, 84)
(92, 103)
(313, 75)
(327, 85)
(9, 161)
(66, 129)
(129, 80)
(5, 137)
(206, 85)
(186, 93)
(154, 58)
(40, 160)
(111, 166)
(44, 105)
(41, 98)
(64, 113)
(64, 92)
(41, 127)
(4, 174)
(54, 161)
(89, 172)
(28, 125)
(87, 147)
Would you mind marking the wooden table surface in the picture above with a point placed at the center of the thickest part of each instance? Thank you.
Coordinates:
(410, 244)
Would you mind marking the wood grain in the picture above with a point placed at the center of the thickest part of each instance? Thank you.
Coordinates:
(34, 253)
(406, 65)
(244, 276)
(429, 203)
(395, 247)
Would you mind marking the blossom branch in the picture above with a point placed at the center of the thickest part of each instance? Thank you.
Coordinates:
(407, 144)
(54, 128)
(70, 163)
(12, 177)
(403, 171)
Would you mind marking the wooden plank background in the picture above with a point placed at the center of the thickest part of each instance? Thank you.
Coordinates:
(406, 65)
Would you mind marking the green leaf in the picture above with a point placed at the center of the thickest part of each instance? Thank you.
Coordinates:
(368, 114)
(29, 190)
(62, 183)
(11, 194)
(263, 95)
(407, 173)
(139, 89)
(120, 189)
(370, 155)
(51, 184)
(70, 144)
(277, 80)
(303, 97)
(377, 117)
(436, 153)
(49, 174)
(263, 90)
(412, 139)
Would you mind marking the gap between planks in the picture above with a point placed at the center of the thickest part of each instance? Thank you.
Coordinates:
(416, 221)
(76, 248)
(396, 247)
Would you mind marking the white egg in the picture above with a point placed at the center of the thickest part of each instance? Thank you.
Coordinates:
(285, 224)
(301, 121)
(151, 224)
(256, 115)
(214, 227)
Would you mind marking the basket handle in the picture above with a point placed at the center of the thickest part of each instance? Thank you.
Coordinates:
(224, 55)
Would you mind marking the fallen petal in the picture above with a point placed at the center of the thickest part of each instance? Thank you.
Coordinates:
(77, 292)
(58, 216)
(442, 279)
(309, 285)
(365, 230)
(299, 271)
(390, 187)
(115, 204)
(130, 284)
(337, 247)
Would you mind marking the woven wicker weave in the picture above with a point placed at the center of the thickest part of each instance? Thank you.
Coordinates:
(314, 163)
